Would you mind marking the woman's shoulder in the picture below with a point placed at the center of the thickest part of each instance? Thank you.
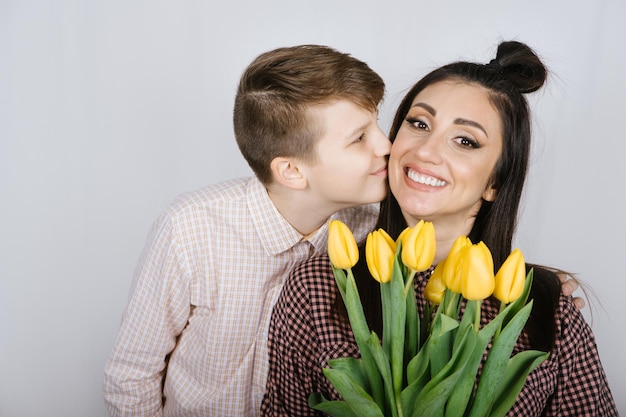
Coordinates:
(570, 321)
(313, 276)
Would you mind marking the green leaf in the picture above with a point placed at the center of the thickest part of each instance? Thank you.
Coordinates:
(384, 367)
(361, 333)
(467, 319)
(355, 312)
(385, 296)
(451, 304)
(419, 366)
(360, 402)
(440, 341)
(352, 367)
(397, 311)
(514, 378)
(433, 397)
(431, 402)
(496, 362)
(410, 393)
(374, 377)
(463, 391)
(340, 279)
(332, 408)
(411, 342)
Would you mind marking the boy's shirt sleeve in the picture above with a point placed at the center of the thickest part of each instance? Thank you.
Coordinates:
(156, 314)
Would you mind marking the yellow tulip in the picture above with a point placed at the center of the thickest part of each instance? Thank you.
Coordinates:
(418, 246)
(342, 248)
(403, 234)
(477, 274)
(436, 286)
(393, 245)
(510, 278)
(380, 250)
(451, 269)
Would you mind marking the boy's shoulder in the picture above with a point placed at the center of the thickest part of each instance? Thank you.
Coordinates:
(229, 191)
(361, 219)
(359, 214)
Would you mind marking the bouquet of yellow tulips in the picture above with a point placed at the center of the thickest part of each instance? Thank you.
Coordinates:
(429, 366)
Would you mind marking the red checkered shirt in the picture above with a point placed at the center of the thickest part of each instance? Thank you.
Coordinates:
(303, 337)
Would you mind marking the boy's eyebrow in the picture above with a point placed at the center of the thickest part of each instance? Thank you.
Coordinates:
(357, 130)
(458, 121)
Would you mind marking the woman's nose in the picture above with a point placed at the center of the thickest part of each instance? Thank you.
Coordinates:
(430, 149)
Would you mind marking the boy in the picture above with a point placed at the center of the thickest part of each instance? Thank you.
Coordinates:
(193, 337)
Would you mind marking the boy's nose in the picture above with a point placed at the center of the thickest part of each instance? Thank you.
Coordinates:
(382, 144)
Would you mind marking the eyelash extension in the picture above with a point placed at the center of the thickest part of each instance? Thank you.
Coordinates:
(413, 120)
(472, 142)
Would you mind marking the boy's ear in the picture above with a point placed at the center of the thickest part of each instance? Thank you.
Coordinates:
(287, 172)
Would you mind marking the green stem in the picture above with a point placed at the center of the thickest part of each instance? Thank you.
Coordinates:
(399, 406)
(502, 308)
(477, 315)
(409, 280)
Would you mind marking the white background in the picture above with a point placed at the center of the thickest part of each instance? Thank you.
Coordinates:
(109, 109)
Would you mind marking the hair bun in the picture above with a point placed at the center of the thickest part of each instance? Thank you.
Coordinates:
(520, 65)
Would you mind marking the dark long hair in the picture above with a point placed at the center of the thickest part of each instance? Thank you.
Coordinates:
(515, 71)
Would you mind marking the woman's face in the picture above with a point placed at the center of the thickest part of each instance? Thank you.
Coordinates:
(444, 155)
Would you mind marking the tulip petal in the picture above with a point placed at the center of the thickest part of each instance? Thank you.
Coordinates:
(418, 246)
(510, 278)
(342, 248)
(477, 272)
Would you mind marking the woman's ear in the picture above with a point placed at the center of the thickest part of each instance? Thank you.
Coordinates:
(286, 172)
(490, 194)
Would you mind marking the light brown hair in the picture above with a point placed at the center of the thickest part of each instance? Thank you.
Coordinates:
(271, 116)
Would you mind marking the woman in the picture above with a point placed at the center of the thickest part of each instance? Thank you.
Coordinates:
(461, 144)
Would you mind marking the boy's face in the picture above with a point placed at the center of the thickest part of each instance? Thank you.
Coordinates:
(351, 165)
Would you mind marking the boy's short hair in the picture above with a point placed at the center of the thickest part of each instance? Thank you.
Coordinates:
(271, 116)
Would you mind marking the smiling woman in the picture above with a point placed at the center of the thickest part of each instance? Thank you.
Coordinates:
(461, 144)
(444, 155)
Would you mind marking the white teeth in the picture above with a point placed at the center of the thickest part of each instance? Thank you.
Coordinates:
(425, 179)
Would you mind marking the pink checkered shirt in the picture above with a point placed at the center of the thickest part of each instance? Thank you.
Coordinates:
(193, 337)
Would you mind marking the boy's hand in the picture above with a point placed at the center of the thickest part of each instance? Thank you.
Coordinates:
(568, 287)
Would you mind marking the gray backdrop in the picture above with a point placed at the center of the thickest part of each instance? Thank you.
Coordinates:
(109, 109)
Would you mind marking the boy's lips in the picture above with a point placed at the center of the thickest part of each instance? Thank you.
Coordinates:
(382, 171)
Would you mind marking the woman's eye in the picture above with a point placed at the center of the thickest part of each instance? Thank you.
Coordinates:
(467, 142)
(417, 123)
(360, 138)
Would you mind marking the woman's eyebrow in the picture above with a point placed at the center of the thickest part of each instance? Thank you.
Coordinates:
(426, 107)
(458, 121)
(461, 121)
